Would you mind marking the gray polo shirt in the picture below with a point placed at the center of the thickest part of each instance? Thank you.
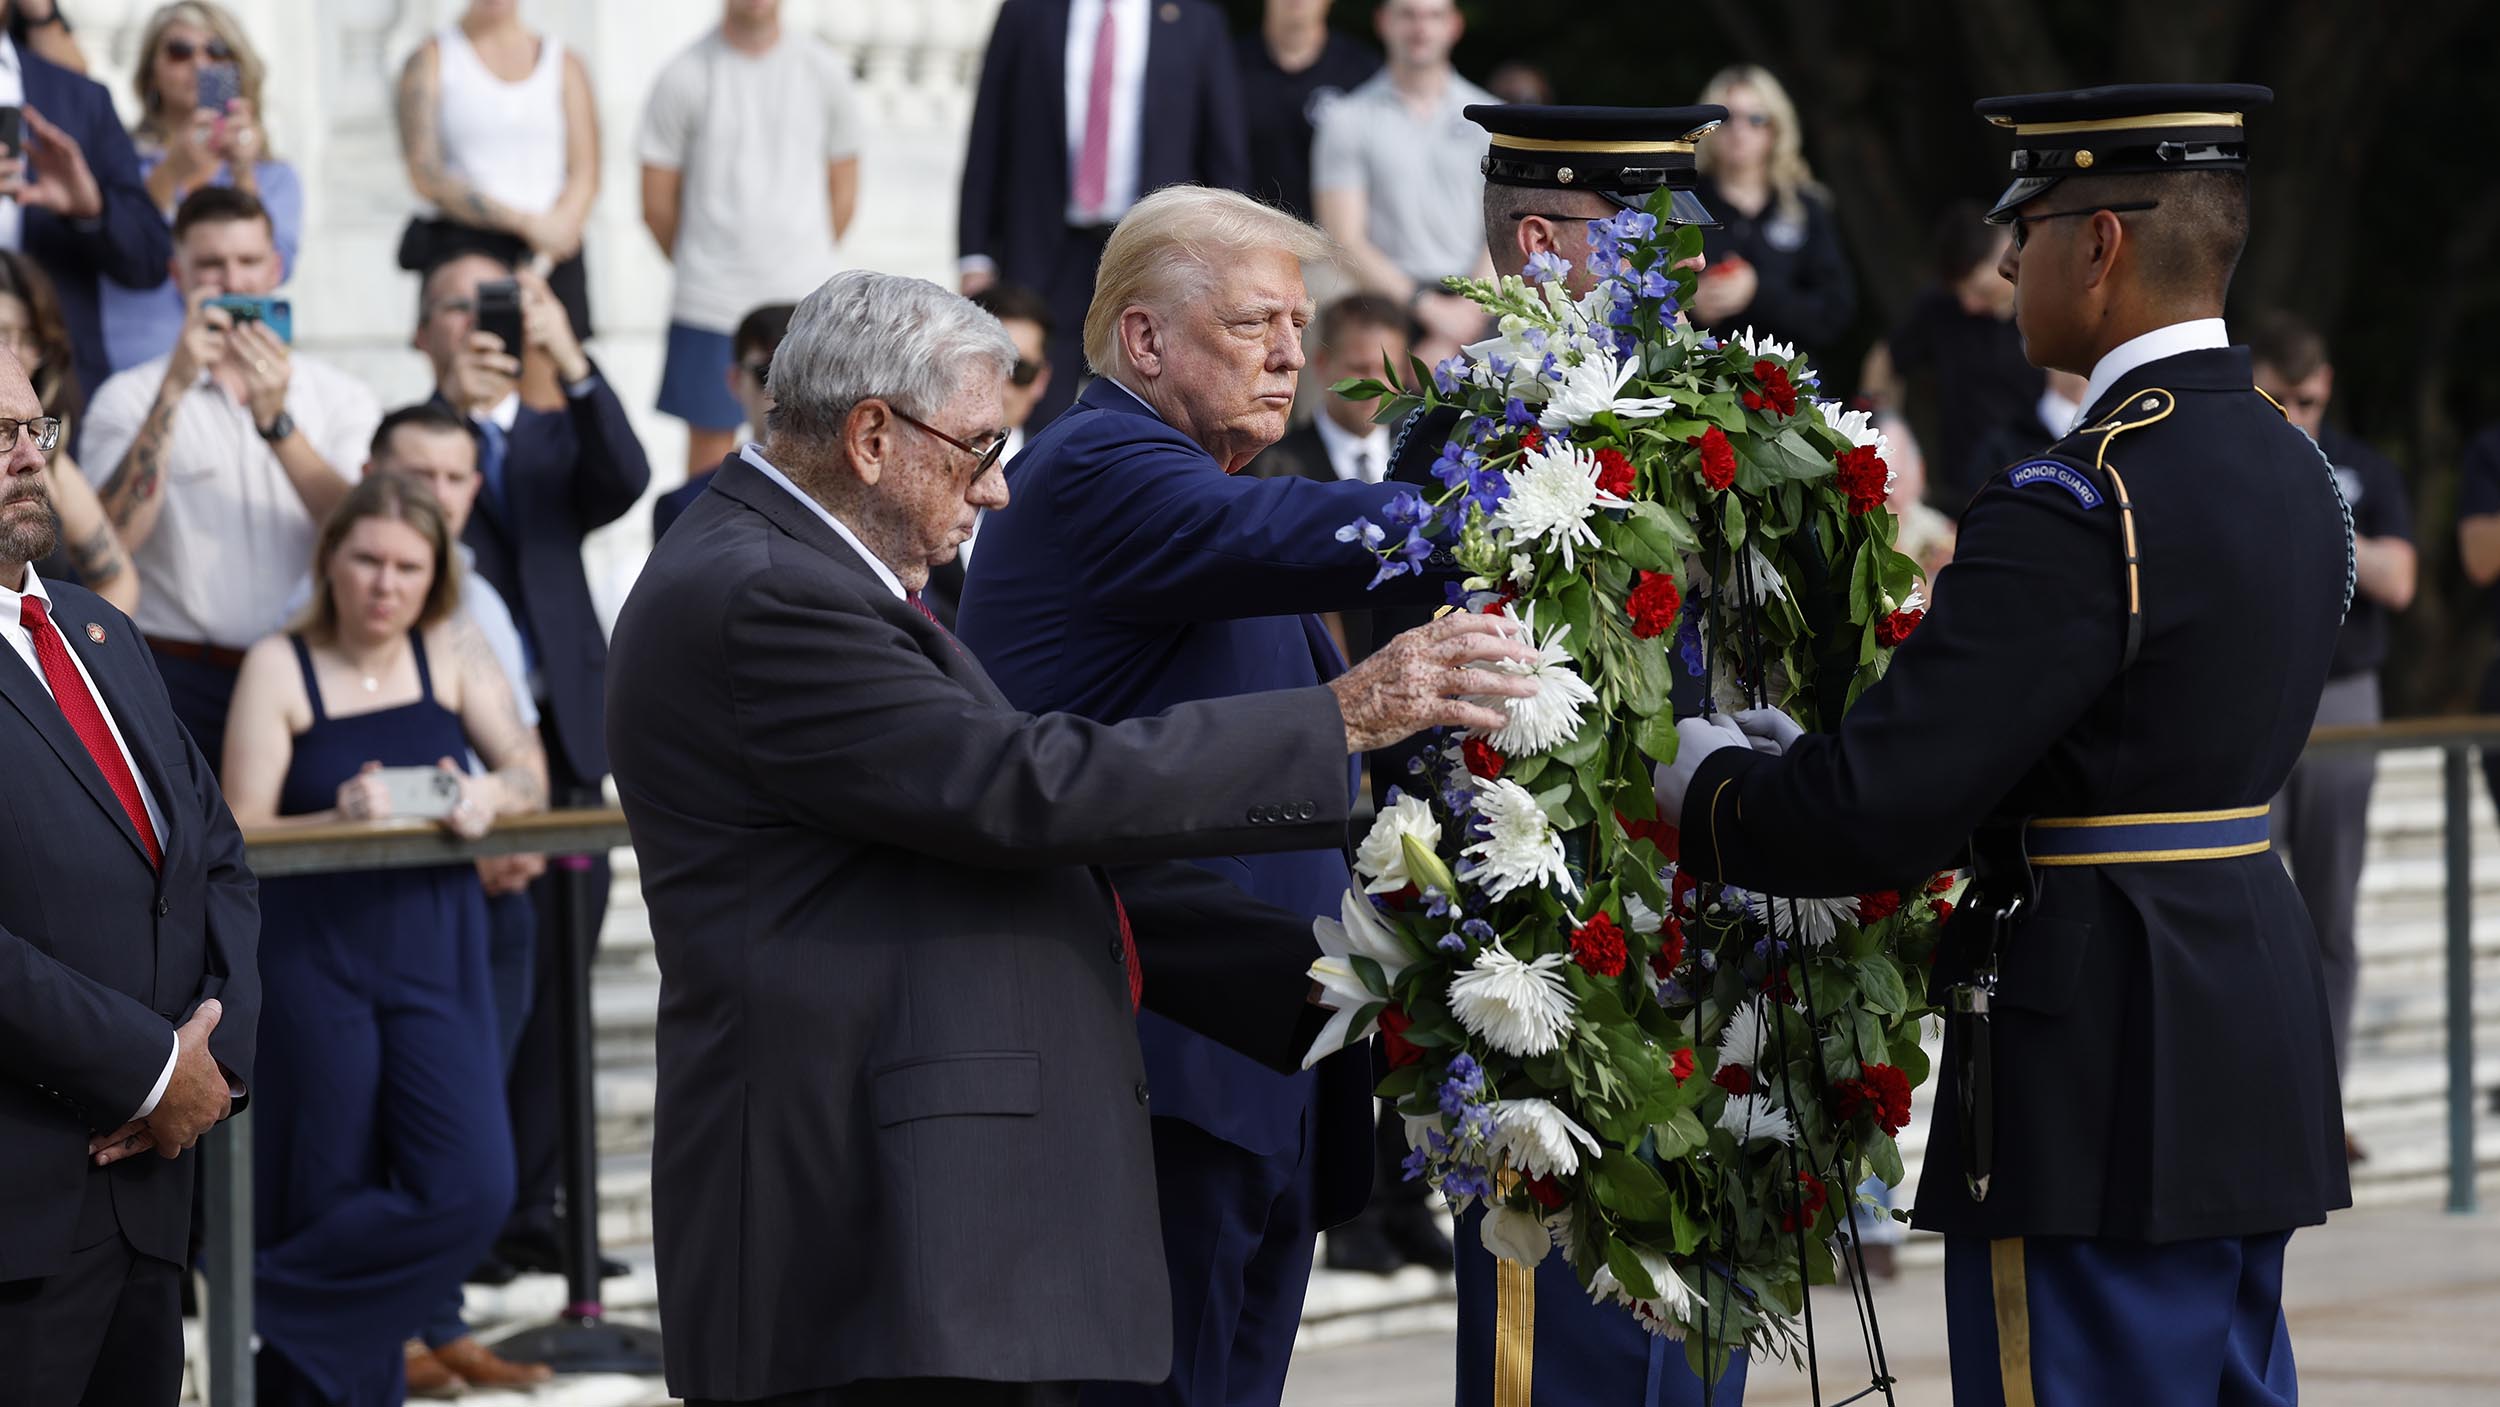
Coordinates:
(1423, 189)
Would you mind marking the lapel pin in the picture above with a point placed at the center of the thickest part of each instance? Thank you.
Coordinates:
(95, 632)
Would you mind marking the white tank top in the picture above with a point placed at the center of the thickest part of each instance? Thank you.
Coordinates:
(505, 139)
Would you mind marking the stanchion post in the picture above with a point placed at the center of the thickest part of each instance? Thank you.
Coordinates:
(226, 1261)
(2460, 983)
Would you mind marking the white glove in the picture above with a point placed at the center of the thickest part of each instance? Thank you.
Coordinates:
(1695, 739)
(1770, 731)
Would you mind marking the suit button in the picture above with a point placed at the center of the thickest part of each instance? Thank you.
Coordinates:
(1119, 952)
(1141, 1091)
(163, 906)
(1308, 811)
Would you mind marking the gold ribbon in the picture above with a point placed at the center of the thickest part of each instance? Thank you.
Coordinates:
(2013, 1301)
(1514, 1332)
(2120, 124)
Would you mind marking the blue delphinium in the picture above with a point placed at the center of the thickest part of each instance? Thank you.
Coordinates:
(1365, 530)
(1515, 413)
(1450, 943)
(1477, 929)
(1449, 375)
(1546, 266)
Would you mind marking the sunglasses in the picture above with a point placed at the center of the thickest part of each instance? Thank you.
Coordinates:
(1026, 373)
(183, 51)
(988, 457)
(2022, 222)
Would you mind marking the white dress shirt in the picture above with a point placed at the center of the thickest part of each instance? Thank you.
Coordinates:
(2195, 335)
(13, 629)
(1128, 101)
(1364, 457)
(754, 454)
(12, 94)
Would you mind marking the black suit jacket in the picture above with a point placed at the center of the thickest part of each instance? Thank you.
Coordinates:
(565, 472)
(101, 957)
(1015, 183)
(130, 241)
(902, 1119)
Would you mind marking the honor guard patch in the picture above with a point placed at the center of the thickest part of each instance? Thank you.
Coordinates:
(2065, 476)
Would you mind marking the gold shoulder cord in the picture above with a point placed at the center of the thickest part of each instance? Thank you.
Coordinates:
(2152, 407)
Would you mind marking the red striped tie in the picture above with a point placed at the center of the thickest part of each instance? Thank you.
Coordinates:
(86, 718)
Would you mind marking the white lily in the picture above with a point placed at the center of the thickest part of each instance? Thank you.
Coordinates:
(1342, 989)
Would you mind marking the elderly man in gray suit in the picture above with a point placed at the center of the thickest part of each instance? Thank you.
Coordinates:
(902, 1153)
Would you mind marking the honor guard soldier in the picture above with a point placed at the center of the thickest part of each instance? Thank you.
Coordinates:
(2121, 667)
(1533, 1336)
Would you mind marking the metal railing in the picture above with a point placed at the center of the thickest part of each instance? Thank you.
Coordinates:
(226, 1154)
(581, 1338)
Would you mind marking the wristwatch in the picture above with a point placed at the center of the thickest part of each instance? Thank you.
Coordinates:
(277, 429)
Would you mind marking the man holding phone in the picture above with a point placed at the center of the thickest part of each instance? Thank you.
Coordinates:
(225, 455)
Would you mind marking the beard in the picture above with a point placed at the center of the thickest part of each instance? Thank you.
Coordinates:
(28, 537)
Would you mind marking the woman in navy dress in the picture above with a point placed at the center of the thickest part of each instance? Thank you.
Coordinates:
(382, 1161)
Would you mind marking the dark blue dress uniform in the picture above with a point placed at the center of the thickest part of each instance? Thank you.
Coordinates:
(2120, 669)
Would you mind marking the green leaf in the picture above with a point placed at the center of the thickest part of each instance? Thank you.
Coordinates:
(1883, 1156)
(1656, 737)
(1724, 410)
(1398, 1084)
(1667, 533)
(1629, 1272)
(1632, 1188)
(1879, 984)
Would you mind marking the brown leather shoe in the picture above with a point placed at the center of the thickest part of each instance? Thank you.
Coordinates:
(484, 1367)
(429, 1376)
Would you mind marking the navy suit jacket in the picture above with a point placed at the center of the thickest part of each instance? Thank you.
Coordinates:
(1130, 574)
(565, 472)
(130, 241)
(101, 957)
(1015, 185)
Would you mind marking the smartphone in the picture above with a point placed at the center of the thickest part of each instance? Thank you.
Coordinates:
(277, 314)
(12, 130)
(426, 793)
(499, 312)
(220, 84)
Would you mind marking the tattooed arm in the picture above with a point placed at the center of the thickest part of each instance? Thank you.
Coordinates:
(493, 723)
(134, 497)
(94, 550)
(421, 147)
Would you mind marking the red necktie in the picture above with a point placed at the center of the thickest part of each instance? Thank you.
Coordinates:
(1093, 160)
(86, 718)
(1128, 938)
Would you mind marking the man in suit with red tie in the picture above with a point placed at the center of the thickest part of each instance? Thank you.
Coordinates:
(128, 994)
(903, 1156)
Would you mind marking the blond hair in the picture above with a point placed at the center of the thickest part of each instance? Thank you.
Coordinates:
(1789, 173)
(156, 126)
(1166, 249)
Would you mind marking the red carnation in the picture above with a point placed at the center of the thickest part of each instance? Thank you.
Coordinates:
(1942, 883)
(1547, 1194)
(1682, 1064)
(1883, 1092)
(1666, 837)
(1393, 1024)
(1776, 986)
(1670, 948)
(1615, 474)
(1481, 759)
(1653, 604)
(1735, 1079)
(1777, 392)
(1864, 477)
(1598, 945)
(1404, 898)
(1878, 906)
(1531, 437)
(1895, 628)
(1809, 1205)
(1718, 457)
(1944, 910)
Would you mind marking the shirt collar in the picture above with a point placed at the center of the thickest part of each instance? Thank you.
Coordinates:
(8, 55)
(12, 602)
(506, 411)
(2195, 335)
(754, 454)
(1132, 395)
(1340, 442)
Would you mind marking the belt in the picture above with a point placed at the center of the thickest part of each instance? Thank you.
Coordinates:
(196, 651)
(2147, 837)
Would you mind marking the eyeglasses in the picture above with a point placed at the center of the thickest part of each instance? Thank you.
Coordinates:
(2020, 222)
(1026, 373)
(988, 457)
(1558, 217)
(46, 431)
(183, 51)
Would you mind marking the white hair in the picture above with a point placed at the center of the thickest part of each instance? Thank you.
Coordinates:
(867, 335)
(1167, 248)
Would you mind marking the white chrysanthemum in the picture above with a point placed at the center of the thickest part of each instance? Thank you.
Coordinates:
(1520, 847)
(1551, 716)
(1751, 1116)
(1518, 1008)
(1815, 920)
(1767, 582)
(1741, 1040)
(1342, 989)
(1381, 858)
(1553, 490)
(1764, 345)
(1515, 1235)
(1594, 385)
(1640, 917)
(1664, 1315)
(1534, 1138)
(1855, 426)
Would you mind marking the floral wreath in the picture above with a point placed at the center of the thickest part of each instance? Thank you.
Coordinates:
(1678, 1085)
